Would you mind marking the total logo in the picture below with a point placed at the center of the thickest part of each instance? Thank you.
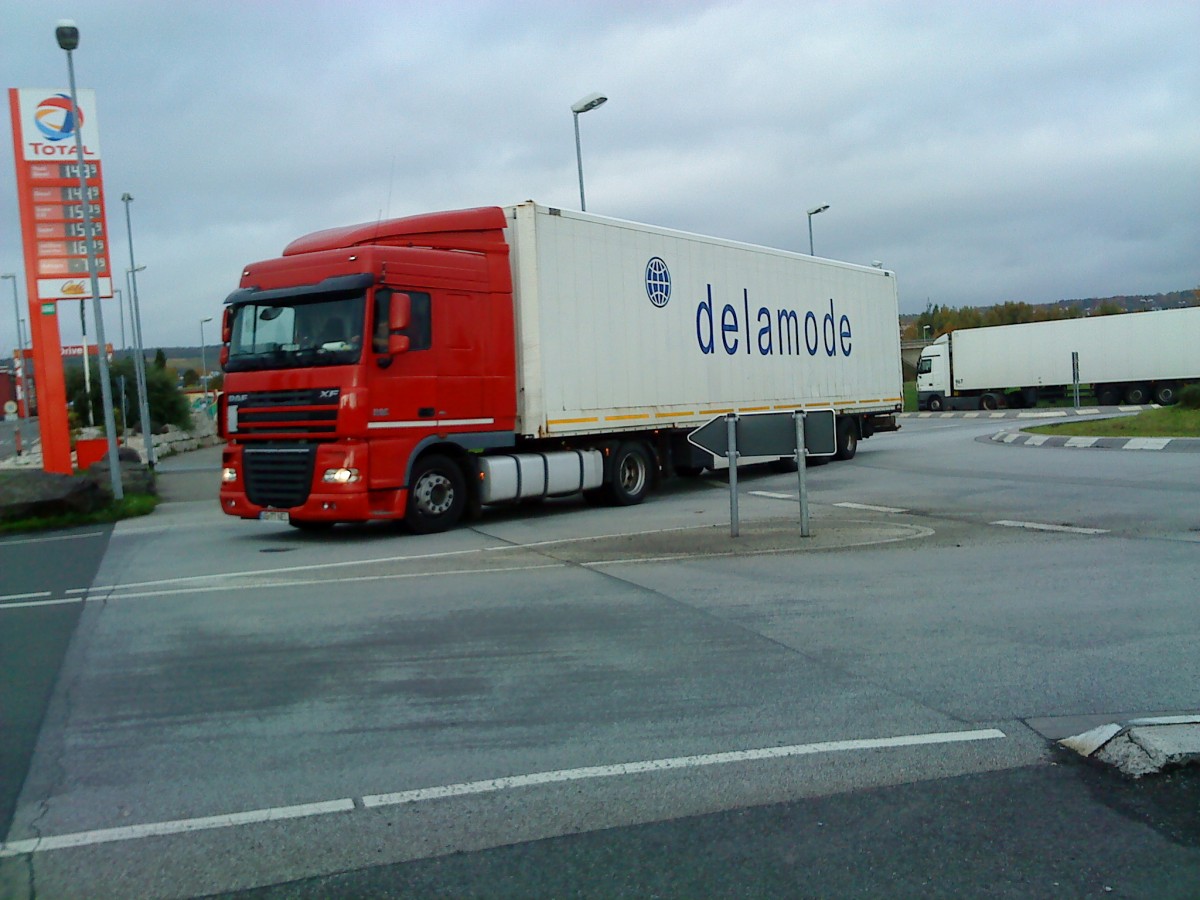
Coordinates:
(55, 118)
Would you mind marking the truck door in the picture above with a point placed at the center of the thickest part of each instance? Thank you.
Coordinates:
(402, 389)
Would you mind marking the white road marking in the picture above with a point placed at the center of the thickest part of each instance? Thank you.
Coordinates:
(867, 506)
(1036, 440)
(1080, 441)
(178, 826)
(29, 596)
(31, 603)
(273, 814)
(122, 593)
(677, 762)
(772, 495)
(1039, 526)
(200, 580)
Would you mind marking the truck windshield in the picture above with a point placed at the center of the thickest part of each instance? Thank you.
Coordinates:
(311, 330)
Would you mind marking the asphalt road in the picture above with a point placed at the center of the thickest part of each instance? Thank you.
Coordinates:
(630, 702)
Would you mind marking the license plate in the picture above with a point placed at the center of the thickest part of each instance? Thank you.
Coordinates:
(272, 515)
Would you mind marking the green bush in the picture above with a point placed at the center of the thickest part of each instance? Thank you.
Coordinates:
(1189, 397)
(167, 403)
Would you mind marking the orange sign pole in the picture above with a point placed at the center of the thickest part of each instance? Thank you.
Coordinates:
(43, 324)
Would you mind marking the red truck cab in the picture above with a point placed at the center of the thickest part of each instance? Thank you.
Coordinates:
(360, 363)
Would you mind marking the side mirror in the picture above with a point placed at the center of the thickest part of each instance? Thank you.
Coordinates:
(399, 313)
(227, 325)
(398, 343)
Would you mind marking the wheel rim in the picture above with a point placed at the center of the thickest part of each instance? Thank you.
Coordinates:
(435, 494)
(632, 476)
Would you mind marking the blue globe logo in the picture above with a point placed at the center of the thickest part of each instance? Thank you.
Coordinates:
(658, 282)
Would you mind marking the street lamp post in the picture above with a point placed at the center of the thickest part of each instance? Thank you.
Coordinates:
(135, 323)
(68, 39)
(121, 315)
(588, 103)
(20, 347)
(812, 212)
(87, 370)
(204, 363)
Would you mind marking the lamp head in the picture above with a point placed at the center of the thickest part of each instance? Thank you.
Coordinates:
(818, 209)
(67, 34)
(590, 102)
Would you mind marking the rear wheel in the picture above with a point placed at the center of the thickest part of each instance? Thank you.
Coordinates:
(847, 438)
(988, 401)
(1166, 393)
(630, 481)
(437, 495)
(1107, 395)
(1137, 394)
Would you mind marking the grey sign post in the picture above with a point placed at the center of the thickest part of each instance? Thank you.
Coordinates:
(795, 433)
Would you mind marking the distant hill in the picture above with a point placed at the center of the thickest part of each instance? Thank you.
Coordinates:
(1091, 305)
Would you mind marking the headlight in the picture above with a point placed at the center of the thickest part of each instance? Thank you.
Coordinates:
(340, 476)
(228, 474)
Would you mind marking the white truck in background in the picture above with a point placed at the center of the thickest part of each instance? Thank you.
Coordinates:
(1129, 358)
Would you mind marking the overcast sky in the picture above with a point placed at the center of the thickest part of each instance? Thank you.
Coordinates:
(985, 152)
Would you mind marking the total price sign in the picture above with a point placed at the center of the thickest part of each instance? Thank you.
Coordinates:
(50, 196)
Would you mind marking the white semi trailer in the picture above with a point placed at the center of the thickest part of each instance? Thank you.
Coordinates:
(1131, 358)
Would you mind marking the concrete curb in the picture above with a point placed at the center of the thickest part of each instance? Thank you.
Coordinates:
(1141, 746)
(1021, 439)
(1037, 414)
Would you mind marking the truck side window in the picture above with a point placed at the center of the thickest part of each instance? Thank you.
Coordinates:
(925, 366)
(420, 329)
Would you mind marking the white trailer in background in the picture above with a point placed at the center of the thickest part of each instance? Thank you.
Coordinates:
(1130, 358)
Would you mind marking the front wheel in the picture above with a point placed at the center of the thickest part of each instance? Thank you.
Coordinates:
(437, 495)
(988, 401)
(630, 480)
(936, 404)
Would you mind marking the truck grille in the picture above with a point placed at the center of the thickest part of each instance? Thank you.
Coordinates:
(278, 476)
(309, 414)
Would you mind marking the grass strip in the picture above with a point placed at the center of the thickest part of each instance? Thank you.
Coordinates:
(1168, 422)
(130, 507)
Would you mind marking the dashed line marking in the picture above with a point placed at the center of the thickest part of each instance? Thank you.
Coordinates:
(494, 785)
(1041, 526)
(773, 495)
(870, 508)
(62, 601)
